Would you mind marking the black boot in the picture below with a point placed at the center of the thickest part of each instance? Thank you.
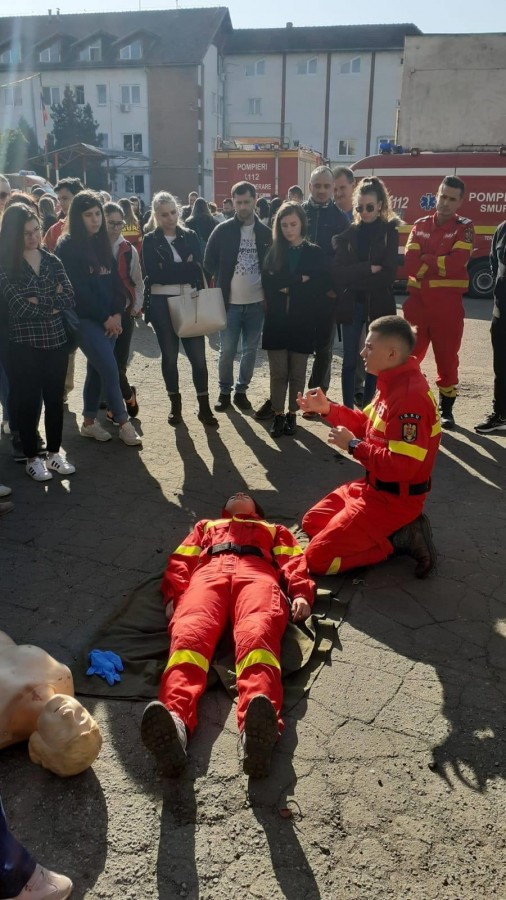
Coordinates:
(205, 415)
(416, 541)
(446, 412)
(175, 416)
(223, 403)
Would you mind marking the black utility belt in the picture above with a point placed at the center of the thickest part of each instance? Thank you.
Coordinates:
(238, 549)
(395, 487)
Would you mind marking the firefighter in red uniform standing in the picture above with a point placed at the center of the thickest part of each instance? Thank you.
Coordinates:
(396, 439)
(437, 253)
(238, 569)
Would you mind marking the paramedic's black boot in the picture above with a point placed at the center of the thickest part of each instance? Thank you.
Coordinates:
(259, 736)
(446, 412)
(416, 541)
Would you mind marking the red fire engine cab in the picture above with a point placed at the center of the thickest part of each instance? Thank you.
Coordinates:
(413, 177)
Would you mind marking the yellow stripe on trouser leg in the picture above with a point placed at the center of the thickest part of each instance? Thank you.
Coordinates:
(254, 657)
(451, 391)
(187, 656)
(334, 566)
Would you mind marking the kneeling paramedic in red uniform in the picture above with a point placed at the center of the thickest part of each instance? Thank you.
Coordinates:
(395, 439)
(243, 570)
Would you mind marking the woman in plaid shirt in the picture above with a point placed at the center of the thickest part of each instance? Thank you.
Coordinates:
(36, 289)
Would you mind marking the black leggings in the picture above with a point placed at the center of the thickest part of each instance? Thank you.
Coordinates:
(34, 372)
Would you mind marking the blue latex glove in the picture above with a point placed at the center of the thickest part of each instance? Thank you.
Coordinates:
(106, 664)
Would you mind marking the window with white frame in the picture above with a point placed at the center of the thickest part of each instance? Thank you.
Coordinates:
(351, 66)
(131, 51)
(134, 184)
(91, 53)
(79, 94)
(255, 106)
(132, 143)
(12, 55)
(13, 96)
(255, 68)
(347, 147)
(103, 140)
(101, 94)
(307, 66)
(131, 93)
(50, 54)
(50, 95)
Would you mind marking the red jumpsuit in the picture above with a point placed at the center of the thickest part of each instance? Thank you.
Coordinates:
(249, 590)
(400, 433)
(436, 259)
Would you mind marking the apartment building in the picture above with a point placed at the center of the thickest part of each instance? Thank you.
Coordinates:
(167, 87)
(152, 79)
(335, 89)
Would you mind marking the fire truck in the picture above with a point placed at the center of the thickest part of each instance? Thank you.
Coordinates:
(272, 171)
(413, 177)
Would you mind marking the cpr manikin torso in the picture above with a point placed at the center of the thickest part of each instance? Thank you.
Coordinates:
(37, 704)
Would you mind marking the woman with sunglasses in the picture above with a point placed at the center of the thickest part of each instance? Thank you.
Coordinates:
(100, 302)
(35, 290)
(130, 273)
(363, 273)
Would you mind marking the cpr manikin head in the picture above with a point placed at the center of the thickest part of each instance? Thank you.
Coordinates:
(243, 505)
(67, 740)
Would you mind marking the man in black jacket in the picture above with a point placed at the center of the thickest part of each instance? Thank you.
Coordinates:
(325, 219)
(496, 420)
(234, 255)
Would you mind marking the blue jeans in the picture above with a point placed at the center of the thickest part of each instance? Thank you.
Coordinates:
(195, 349)
(16, 864)
(101, 371)
(351, 346)
(244, 321)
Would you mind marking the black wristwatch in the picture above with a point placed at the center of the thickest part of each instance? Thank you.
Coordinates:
(353, 443)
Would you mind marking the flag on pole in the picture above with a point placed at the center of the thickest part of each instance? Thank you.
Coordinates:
(45, 116)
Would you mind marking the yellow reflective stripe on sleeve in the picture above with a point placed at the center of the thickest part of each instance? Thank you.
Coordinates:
(412, 246)
(334, 566)
(406, 449)
(213, 523)
(187, 656)
(281, 550)
(412, 282)
(436, 429)
(422, 270)
(255, 658)
(441, 265)
(462, 245)
(376, 420)
(404, 229)
(184, 550)
(448, 283)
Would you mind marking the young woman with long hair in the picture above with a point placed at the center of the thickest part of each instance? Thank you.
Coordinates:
(35, 288)
(201, 222)
(295, 281)
(172, 257)
(86, 253)
(363, 273)
(129, 269)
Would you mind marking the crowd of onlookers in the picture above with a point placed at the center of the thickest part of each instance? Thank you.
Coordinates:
(76, 270)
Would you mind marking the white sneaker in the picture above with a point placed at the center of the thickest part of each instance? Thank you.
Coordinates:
(5, 491)
(46, 885)
(128, 435)
(58, 464)
(37, 470)
(5, 428)
(95, 431)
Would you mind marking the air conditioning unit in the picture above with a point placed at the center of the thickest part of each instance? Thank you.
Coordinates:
(125, 107)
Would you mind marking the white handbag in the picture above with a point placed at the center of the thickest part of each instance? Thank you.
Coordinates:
(195, 313)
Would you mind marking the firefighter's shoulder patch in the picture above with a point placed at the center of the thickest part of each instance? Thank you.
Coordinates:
(415, 416)
(469, 234)
(409, 432)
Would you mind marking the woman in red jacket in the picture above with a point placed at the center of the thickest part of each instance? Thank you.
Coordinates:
(242, 569)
